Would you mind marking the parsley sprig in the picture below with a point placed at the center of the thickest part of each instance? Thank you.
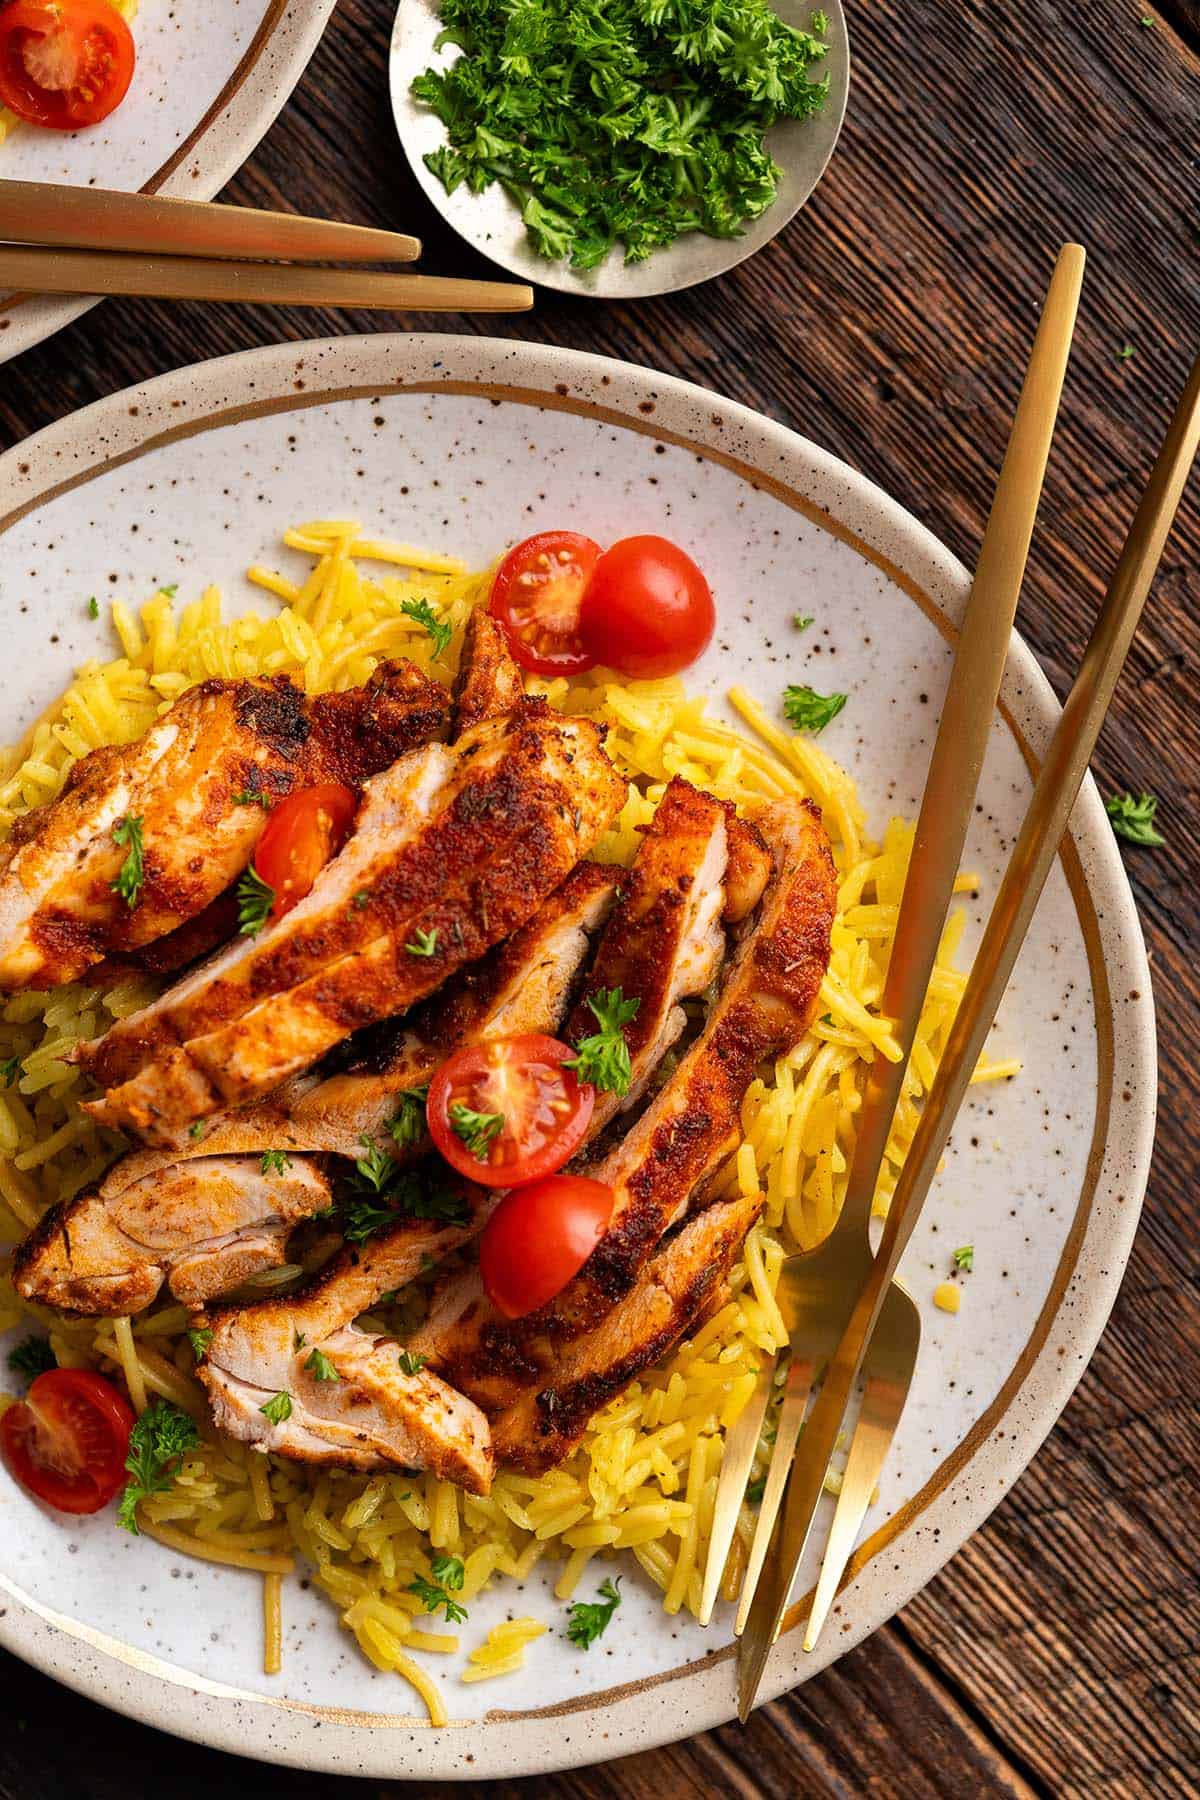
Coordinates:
(320, 1368)
(589, 1618)
(411, 1363)
(159, 1440)
(275, 1162)
(619, 121)
(408, 1126)
(432, 1594)
(603, 1058)
(436, 628)
(131, 876)
(476, 1129)
(1132, 818)
(255, 898)
(807, 710)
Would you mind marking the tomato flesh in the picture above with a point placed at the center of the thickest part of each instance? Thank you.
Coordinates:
(64, 63)
(520, 1081)
(303, 833)
(648, 610)
(538, 1238)
(68, 1439)
(537, 593)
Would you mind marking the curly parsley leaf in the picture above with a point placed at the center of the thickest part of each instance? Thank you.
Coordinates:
(619, 121)
(411, 1364)
(32, 1357)
(408, 1126)
(432, 1595)
(807, 710)
(131, 877)
(603, 1058)
(476, 1129)
(158, 1441)
(424, 943)
(277, 1409)
(255, 898)
(589, 1618)
(1132, 818)
(320, 1368)
(200, 1337)
(450, 1571)
(424, 615)
(253, 797)
(964, 1257)
(275, 1162)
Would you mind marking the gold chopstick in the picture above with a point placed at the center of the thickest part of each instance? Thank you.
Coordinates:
(276, 284)
(950, 785)
(74, 218)
(1055, 792)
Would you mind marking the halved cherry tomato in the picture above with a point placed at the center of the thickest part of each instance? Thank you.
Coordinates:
(64, 63)
(507, 1111)
(648, 610)
(303, 833)
(538, 1238)
(68, 1439)
(536, 595)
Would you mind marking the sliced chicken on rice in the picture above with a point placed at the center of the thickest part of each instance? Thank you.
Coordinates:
(145, 836)
(682, 1138)
(453, 849)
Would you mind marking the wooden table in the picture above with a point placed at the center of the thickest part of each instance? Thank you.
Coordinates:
(1056, 1654)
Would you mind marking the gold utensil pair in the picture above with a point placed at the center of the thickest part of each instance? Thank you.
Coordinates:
(843, 1307)
(65, 240)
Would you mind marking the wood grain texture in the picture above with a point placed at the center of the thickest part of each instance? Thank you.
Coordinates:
(1056, 1656)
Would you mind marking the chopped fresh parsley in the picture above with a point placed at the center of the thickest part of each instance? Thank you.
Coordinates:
(277, 1409)
(320, 1368)
(375, 1168)
(802, 621)
(1125, 353)
(32, 1357)
(361, 899)
(298, 1340)
(363, 1218)
(618, 121)
(199, 1337)
(412, 1364)
(1132, 818)
(432, 1595)
(450, 1571)
(807, 710)
(253, 797)
(131, 877)
(589, 1618)
(603, 1058)
(476, 1129)
(964, 1257)
(756, 1489)
(255, 898)
(10, 1070)
(423, 944)
(384, 1191)
(170, 590)
(408, 1126)
(421, 1200)
(275, 1162)
(93, 608)
(196, 1128)
(159, 1439)
(424, 615)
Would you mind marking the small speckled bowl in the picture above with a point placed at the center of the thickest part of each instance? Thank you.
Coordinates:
(468, 444)
(207, 85)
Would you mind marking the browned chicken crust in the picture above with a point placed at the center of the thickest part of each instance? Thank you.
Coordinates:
(489, 680)
(453, 849)
(59, 913)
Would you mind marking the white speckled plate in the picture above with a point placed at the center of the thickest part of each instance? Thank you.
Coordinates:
(468, 443)
(492, 222)
(208, 83)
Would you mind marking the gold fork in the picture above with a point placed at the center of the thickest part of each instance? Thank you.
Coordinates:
(815, 1288)
(1033, 855)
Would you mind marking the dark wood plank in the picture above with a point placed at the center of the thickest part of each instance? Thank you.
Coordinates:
(1056, 1654)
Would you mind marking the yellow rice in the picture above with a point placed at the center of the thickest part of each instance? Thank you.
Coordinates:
(645, 1478)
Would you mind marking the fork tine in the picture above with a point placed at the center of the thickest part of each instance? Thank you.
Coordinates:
(796, 1391)
(740, 1444)
(883, 1403)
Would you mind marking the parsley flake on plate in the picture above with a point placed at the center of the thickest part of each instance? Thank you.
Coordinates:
(603, 1058)
(131, 877)
(619, 121)
(964, 1257)
(1132, 818)
(807, 710)
(423, 614)
(589, 1618)
(93, 608)
(255, 898)
(159, 1440)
